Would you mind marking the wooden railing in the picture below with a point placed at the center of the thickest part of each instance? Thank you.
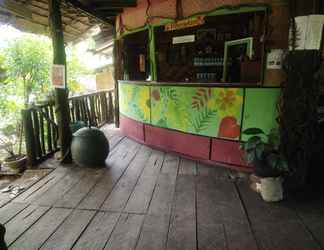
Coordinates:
(40, 125)
(95, 108)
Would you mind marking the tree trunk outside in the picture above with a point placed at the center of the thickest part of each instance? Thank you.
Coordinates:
(61, 95)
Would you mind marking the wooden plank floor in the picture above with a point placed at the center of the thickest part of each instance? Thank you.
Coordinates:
(147, 199)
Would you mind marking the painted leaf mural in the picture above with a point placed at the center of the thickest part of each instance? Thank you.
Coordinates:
(214, 112)
(134, 101)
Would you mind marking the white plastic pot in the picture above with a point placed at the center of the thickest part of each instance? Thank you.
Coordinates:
(271, 189)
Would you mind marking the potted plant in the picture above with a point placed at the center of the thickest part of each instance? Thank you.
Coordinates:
(262, 151)
(10, 140)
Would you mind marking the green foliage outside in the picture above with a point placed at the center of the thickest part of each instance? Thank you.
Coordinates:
(25, 73)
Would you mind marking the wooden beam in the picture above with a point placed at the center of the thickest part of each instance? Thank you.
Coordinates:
(104, 6)
(61, 95)
(15, 8)
(108, 13)
(115, 3)
(90, 11)
(107, 8)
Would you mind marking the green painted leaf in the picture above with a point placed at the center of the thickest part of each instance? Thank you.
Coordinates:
(204, 119)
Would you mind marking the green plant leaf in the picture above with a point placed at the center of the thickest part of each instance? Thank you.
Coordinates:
(251, 143)
(284, 165)
(254, 139)
(253, 131)
(274, 138)
(277, 162)
(273, 160)
(259, 151)
(250, 156)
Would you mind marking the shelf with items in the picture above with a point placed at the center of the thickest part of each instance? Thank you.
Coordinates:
(208, 77)
(208, 61)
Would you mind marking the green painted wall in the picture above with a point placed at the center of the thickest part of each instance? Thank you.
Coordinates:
(214, 112)
(260, 109)
(134, 102)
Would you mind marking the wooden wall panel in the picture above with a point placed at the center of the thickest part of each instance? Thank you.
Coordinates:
(227, 152)
(169, 140)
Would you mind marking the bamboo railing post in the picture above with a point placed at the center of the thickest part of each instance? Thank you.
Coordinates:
(110, 107)
(72, 111)
(98, 111)
(104, 108)
(29, 136)
(77, 110)
(92, 111)
(38, 149)
(54, 129)
(49, 130)
(42, 132)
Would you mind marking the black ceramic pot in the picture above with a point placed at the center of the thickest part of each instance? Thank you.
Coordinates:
(89, 147)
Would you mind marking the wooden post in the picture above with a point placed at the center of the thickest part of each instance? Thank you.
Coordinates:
(299, 128)
(61, 95)
(117, 76)
(29, 136)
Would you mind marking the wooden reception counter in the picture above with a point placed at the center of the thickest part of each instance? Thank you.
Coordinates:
(203, 121)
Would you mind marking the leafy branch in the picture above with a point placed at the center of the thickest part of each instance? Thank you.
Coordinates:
(200, 99)
(203, 119)
(169, 93)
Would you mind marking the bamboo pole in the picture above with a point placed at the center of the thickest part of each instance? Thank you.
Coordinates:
(61, 95)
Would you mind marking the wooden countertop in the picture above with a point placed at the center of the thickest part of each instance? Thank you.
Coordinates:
(195, 84)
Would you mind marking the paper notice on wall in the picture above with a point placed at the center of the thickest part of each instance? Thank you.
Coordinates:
(308, 32)
(275, 58)
(58, 76)
(141, 62)
(183, 39)
(301, 23)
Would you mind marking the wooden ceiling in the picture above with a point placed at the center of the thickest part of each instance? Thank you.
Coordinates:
(80, 17)
(106, 10)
